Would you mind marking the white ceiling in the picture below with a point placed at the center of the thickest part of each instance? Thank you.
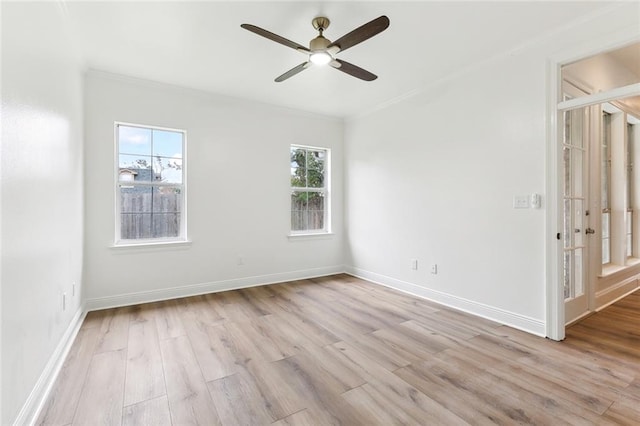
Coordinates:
(200, 45)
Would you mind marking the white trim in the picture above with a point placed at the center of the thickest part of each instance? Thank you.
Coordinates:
(554, 305)
(602, 97)
(310, 235)
(40, 392)
(150, 244)
(611, 295)
(205, 288)
(555, 324)
(326, 190)
(152, 184)
(521, 322)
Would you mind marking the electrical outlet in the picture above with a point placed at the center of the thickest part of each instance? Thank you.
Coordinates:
(64, 301)
(414, 264)
(240, 260)
(434, 269)
(73, 289)
(521, 202)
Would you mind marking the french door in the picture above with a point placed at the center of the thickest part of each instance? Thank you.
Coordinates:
(578, 224)
(575, 220)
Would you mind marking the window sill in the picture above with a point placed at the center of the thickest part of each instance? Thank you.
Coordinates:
(315, 235)
(151, 244)
(611, 269)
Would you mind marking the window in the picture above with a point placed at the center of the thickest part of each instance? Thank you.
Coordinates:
(309, 190)
(630, 188)
(150, 184)
(605, 179)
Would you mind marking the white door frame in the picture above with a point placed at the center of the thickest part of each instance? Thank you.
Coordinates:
(555, 325)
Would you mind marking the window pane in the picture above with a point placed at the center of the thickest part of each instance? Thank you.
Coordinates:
(149, 212)
(629, 233)
(134, 168)
(167, 144)
(299, 211)
(606, 244)
(134, 140)
(605, 168)
(136, 199)
(605, 225)
(165, 225)
(606, 257)
(315, 169)
(298, 168)
(167, 170)
(166, 200)
(135, 226)
(316, 211)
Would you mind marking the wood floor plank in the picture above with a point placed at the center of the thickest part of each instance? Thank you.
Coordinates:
(151, 412)
(235, 398)
(549, 395)
(189, 398)
(168, 320)
(339, 350)
(275, 389)
(144, 374)
(63, 399)
(301, 418)
(397, 392)
(316, 390)
(103, 388)
(114, 331)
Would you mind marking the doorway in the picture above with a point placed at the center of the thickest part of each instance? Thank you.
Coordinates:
(585, 273)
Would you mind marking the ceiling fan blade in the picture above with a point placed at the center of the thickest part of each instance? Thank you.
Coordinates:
(353, 70)
(293, 71)
(361, 33)
(275, 37)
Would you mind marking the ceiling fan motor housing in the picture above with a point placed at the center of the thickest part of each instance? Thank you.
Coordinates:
(319, 44)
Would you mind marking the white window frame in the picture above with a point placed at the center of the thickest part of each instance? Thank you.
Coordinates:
(182, 237)
(326, 191)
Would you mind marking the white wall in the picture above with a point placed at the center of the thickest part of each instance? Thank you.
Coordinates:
(41, 194)
(238, 194)
(433, 177)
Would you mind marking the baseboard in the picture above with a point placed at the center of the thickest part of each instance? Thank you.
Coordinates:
(204, 288)
(521, 322)
(614, 293)
(40, 392)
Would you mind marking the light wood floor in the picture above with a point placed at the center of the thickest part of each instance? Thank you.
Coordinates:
(339, 350)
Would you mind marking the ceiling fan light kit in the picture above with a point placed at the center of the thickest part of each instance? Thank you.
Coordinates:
(322, 51)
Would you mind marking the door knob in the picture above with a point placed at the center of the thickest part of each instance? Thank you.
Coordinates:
(590, 231)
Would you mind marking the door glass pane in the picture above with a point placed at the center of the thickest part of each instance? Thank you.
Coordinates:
(566, 274)
(577, 163)
(578, 226)
(566, 160)
(567, 224)
(578, 289)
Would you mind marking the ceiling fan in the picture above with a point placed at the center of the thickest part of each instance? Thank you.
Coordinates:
(322, 51)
